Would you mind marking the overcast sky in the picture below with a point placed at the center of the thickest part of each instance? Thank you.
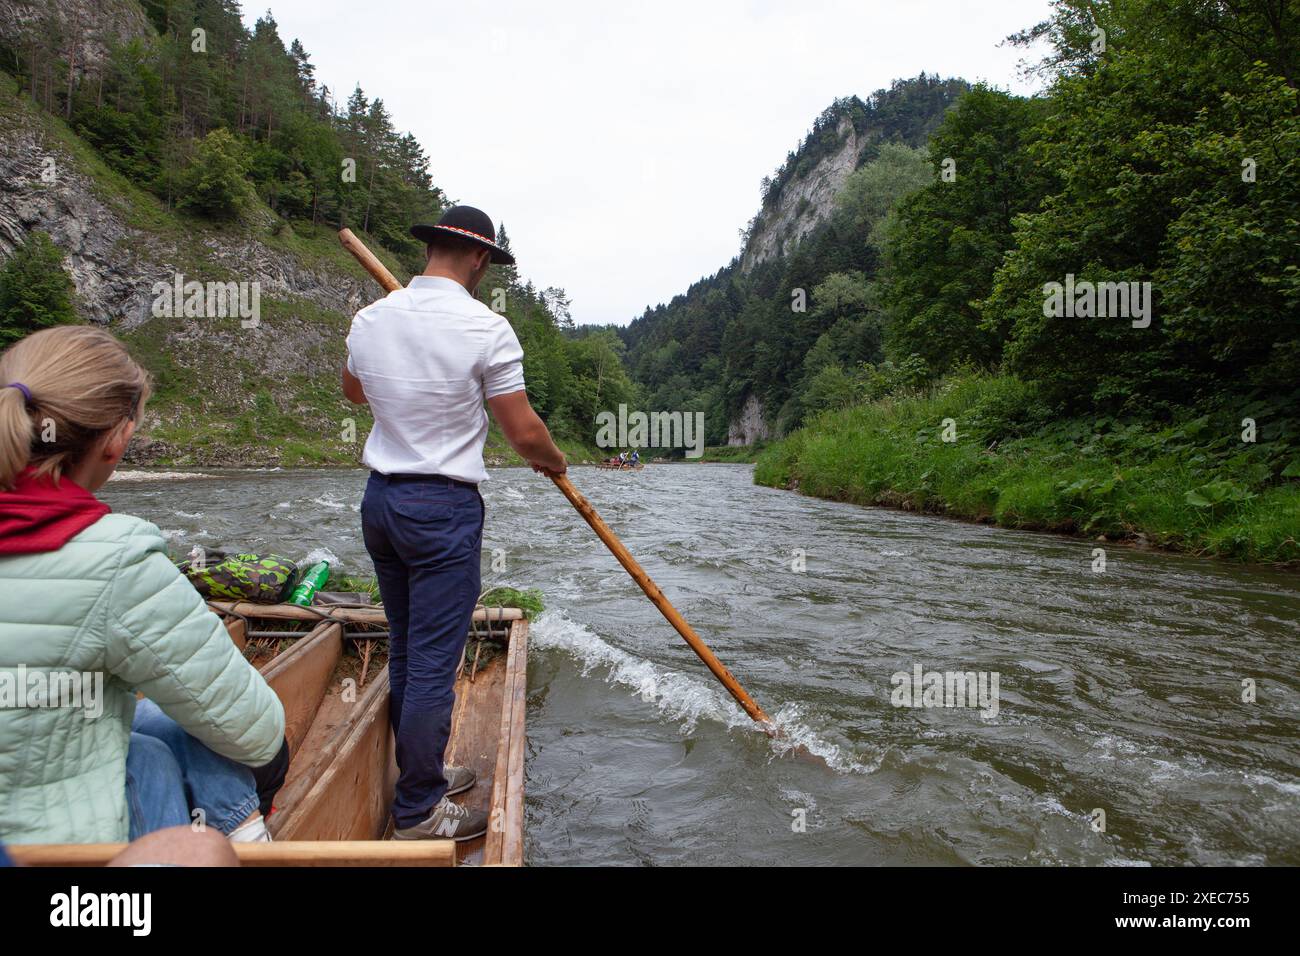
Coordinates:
(623, 144)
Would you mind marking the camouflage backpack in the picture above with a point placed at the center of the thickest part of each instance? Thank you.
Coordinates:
(264, 578)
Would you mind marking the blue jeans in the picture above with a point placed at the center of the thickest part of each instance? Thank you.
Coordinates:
(424, 534)
(168, 773)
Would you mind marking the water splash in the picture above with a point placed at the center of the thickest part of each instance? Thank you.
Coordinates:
(677, 696)
(328, 500)
(681, 698)
(132, 475)
(319, 554)
(796, 736)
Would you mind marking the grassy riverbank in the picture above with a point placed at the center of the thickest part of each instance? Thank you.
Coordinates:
(1190, 485)
(731, 454)
(267, 437)
(498, 453)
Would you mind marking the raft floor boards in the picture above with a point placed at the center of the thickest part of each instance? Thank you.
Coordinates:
(487, 731)
(316, 751)
(475, 734)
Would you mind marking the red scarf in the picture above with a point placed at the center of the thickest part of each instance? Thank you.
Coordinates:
(39, 515)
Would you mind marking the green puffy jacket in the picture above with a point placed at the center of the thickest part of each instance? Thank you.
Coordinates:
(110, 602)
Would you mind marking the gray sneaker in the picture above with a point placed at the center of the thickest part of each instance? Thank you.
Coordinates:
(447, 822)
(459, 779)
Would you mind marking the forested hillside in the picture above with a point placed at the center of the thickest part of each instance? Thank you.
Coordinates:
(1094, 322)
(164, 138)
(746, 335)
(1162, 152)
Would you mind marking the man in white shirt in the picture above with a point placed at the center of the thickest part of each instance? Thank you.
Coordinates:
(426, 358)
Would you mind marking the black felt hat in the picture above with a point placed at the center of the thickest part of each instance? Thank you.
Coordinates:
(468, 223)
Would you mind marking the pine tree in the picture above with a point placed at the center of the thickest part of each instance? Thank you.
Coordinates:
(36, 292)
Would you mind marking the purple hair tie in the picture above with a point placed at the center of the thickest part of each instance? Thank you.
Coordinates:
(27, 392)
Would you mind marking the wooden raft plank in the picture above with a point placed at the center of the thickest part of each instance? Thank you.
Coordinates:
(347, 615)
(505, 816)
(301, 675)
(352, 797)
(238, 631)
(318, 749)
(496, 805)
(512, 848)
(297, 853)
(474, 740)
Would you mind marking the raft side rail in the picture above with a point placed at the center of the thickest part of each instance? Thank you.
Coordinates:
(288, 853)
(343, 615)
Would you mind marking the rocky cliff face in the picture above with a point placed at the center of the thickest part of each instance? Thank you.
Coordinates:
(114, 265)
(804, 202)
(798, 201)
(48, 183)
(86, 28)
(750, 425)
(226, 381)
(41, 189)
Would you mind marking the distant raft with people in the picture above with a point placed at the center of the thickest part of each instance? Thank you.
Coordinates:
(624, 462)
(328, 665)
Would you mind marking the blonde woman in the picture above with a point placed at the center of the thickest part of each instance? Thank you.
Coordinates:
(92, 611)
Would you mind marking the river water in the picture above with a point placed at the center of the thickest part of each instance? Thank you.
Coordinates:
(1120, 734)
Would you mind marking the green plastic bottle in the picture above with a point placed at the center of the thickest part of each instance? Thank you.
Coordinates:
(311, 582)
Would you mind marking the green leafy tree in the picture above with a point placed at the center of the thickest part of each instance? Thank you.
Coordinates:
(831, 388)
(945, 241)
(214, 184)
(1148, 141)
(36, 292)
(873, 190)
(1230, 269)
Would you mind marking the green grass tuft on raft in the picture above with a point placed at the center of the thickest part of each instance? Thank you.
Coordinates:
(349, 583)
(529, 601)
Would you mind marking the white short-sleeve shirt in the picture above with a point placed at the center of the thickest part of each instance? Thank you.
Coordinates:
(428, 356)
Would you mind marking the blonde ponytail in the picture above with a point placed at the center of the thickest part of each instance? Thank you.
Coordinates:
(16, 434)
(82, 383)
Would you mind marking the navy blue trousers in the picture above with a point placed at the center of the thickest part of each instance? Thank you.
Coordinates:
(424, 534)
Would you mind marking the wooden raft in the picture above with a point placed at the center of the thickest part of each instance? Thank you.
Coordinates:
(334, 807)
